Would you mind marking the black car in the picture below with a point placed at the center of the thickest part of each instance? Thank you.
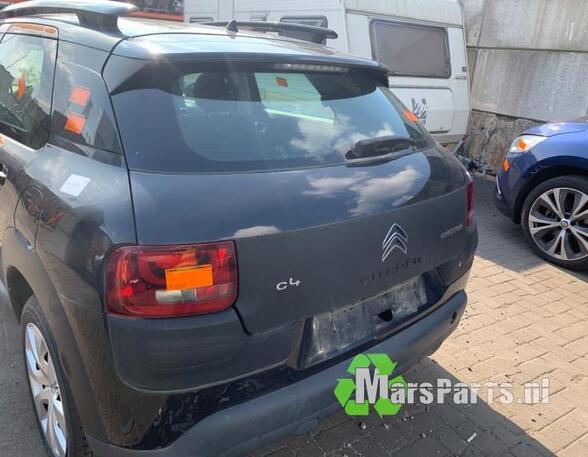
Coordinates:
(201, 226)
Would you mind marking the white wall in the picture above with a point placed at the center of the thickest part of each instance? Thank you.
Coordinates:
(529, 58)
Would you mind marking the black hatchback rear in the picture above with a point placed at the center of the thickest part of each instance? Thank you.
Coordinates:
(213, 223)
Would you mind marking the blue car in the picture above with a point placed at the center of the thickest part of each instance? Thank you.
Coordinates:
(543, 185)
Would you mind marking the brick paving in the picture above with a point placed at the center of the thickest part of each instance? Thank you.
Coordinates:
(526, 320)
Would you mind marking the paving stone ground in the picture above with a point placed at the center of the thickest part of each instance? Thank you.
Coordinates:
(526, 320)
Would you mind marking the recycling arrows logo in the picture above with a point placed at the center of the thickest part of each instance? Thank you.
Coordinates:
(346, 388)
(396, 238)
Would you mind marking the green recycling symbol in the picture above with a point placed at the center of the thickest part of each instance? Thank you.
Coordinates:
(345, 389)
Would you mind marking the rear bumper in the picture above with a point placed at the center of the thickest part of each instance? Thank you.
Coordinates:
(298, 407)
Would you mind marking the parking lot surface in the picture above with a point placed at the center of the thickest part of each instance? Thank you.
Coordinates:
(526, 321)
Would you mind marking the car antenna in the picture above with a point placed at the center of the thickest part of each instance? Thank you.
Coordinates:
(232, 26)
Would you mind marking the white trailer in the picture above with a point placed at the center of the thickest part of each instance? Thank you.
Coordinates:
(421, 41)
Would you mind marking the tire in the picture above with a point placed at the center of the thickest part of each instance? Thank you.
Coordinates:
(556, 232)
(34, 325)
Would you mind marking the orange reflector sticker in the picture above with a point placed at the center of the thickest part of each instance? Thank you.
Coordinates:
(75, 123)
(189, 277)
(79, 95)
(410, 116)
(281, 81)
(506, 165)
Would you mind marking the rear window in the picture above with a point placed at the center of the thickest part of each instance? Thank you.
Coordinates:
(187, 119)
(411, 49)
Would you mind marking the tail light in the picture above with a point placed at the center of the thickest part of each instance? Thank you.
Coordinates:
(158, 282)
(470, 204)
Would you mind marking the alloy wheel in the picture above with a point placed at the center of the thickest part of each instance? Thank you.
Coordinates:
(558, 223)
(46, 391)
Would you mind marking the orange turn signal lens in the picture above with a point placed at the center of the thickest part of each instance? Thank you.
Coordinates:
(506, 165)
(525, 143)
(522, 145)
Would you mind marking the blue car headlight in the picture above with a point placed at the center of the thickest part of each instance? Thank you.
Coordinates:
(525, 142)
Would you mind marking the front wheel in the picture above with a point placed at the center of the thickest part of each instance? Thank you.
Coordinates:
(51, 397)
(555, 221)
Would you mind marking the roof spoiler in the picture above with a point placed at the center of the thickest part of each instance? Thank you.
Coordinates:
(261, 26)
(94, 14)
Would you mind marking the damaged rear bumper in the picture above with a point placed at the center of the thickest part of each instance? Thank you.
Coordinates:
(298, 407)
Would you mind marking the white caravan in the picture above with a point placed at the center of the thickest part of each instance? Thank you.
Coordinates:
(422, 42)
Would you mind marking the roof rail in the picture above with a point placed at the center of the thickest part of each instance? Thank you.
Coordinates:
(261, 26)
(94, 14)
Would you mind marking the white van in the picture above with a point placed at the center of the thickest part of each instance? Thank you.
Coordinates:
(421, 41)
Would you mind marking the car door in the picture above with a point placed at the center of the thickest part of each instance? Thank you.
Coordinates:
(27, 64)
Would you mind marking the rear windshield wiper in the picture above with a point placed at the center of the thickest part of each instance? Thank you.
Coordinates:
(380, 148)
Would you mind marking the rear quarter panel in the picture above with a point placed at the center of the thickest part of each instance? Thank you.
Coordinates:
(75, 233)
(76, 207)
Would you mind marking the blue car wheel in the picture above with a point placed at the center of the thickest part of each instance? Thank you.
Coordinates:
(555, 221)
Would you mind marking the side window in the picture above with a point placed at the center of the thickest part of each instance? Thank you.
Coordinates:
(82, 112)
(27, 65)
(411, 49)
(317, 21)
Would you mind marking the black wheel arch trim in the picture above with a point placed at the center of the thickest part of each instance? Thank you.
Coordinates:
(18, 253)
